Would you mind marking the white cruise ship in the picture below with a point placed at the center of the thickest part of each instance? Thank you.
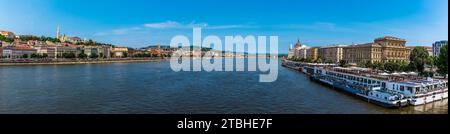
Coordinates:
(389, 89)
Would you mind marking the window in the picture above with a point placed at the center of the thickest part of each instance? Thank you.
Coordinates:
(402, 88)
(410, 89)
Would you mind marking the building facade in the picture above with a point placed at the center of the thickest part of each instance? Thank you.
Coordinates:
(119, 51)
(393, 49)
(14, 53)
(312, 53)
(302, 53)
(437, 47)
(60, 50)
(384, 49)
(370, 52)
(332, 53)
(294, 51)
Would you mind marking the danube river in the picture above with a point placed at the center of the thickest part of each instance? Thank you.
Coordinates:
(153, 88)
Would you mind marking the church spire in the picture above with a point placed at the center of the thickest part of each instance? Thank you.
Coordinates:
(58, 32)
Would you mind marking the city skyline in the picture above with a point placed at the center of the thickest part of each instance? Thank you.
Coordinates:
(142, 23)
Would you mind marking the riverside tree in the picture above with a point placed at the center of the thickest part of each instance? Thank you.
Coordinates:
(442, 60)
(418, 58)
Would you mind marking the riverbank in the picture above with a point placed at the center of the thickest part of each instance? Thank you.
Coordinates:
(75, 62)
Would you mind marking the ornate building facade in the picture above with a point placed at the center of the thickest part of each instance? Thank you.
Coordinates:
(384, 49)
(393, 49)
(295, 52)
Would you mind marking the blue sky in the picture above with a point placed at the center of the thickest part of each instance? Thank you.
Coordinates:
(138, 23)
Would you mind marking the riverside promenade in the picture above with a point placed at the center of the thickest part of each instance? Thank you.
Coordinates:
(25, 62)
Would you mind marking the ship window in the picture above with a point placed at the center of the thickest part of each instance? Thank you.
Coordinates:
(410, 89)
(402, 88)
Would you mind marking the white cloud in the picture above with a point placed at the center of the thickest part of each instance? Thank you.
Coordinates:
(230, 27)
(164, 25)
(319, 26)
(121, 31)
(178, 25)
(169, 25)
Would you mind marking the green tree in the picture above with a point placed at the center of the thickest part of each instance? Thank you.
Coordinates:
(302, 60)
(442, 60)
(25, 56)
(44, 55)
(94, 56)
(418, 58)
(318, 60)
(404, 66)
(34, 55)
(362, 64)
(68, 55)
(3, 38)
(392, 66)
(369, 64)
(379, 66)
(82, 56)
(343, 63)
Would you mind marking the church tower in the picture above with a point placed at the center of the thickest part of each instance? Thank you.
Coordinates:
(58, 32)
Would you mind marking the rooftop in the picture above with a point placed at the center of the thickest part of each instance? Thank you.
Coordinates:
(389, 38)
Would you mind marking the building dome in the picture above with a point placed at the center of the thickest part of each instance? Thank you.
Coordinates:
(298, 45)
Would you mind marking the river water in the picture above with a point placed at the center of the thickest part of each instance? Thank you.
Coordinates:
(153, 88)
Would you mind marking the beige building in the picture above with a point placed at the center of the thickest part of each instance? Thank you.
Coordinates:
(312, 53)
(362, 53)
(384, 49)
(119, 51)
(393, 49)
(332, 53)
